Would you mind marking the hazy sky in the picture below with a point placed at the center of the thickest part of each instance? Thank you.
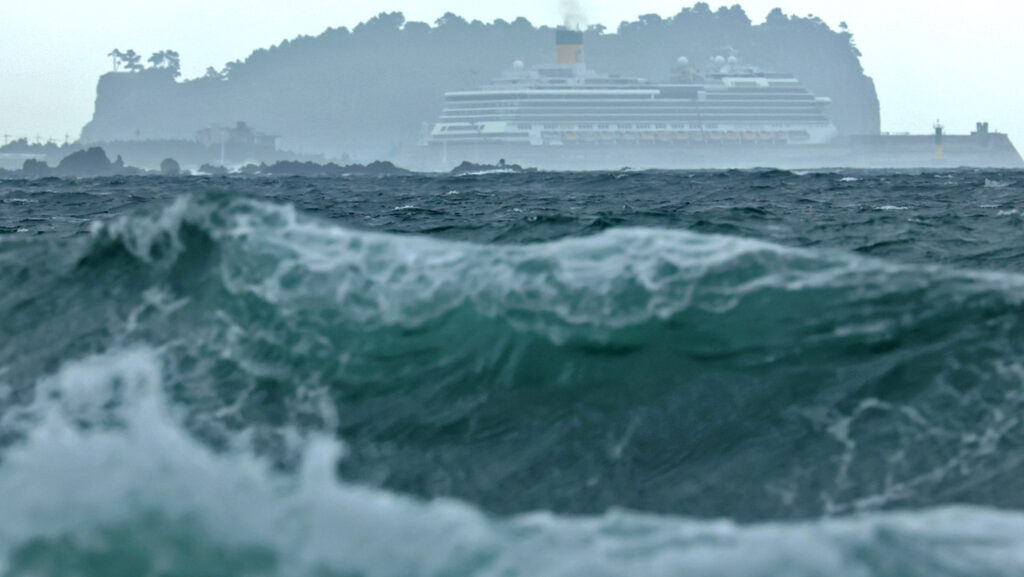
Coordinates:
(951, 60)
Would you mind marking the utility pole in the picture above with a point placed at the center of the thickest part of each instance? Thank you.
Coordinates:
(7, 138)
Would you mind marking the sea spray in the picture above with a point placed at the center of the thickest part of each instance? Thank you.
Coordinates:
(109, 482)
(574, 370)
(740, 373)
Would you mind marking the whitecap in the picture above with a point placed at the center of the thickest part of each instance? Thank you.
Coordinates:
(80, 485)
(486, 172)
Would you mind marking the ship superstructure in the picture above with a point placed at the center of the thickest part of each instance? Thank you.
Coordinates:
(726, 103)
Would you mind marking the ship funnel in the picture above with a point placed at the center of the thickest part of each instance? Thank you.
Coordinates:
(570, 46)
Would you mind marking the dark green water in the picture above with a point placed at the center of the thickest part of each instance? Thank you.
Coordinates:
(740, 373)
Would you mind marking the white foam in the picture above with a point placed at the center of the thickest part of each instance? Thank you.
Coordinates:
(77, 474)
(486, 172)
(141, 234)
(575, 287)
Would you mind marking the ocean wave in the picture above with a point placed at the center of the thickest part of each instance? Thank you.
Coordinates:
(997, 183)
(109, 480)
(658, 370)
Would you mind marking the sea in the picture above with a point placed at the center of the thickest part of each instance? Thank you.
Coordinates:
(712, 373)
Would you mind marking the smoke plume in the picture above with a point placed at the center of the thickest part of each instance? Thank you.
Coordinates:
(573, 15)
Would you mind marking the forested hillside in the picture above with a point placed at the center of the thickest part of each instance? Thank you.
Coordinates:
(368, 90)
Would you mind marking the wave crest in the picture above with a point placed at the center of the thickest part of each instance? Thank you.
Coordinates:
(144, 494)
(708, 370)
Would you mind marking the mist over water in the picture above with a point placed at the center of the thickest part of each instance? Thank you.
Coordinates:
(251, 325)
(347, 91)
(658, 373)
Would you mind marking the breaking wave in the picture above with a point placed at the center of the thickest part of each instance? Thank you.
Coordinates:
(225, 385)
(126, 490)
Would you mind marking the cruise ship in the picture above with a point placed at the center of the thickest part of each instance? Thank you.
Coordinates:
(565, 114)
(720, 114)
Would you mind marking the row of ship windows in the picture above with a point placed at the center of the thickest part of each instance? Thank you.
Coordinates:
(710, 106)
(619, 115)
(597, 95)
(527, 127)
(661, 103)
(622, 116)
(631, 110)
(659, 121)
(723, 99)
(523, 131)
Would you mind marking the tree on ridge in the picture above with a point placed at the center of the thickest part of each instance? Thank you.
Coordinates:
(118, 58)
(132, 61)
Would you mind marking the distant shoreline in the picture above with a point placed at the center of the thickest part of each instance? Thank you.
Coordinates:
(95, 163)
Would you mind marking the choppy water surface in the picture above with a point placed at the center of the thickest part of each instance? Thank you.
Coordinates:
(738, 373)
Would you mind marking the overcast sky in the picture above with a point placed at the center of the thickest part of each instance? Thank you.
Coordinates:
(954, 61)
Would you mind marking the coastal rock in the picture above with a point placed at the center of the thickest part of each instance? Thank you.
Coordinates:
(287, 168)
(170, 167)
(470, 167)
(89, 162)
(36, 168)
(212, 170)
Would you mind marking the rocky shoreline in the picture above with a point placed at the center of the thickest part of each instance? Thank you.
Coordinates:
(94, 162)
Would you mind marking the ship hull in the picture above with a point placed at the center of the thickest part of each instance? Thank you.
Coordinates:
(892, 152)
